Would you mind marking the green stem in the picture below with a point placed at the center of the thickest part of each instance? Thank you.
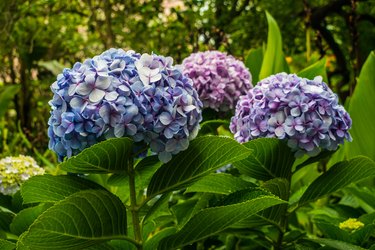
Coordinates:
(284, 219)
(134, 209)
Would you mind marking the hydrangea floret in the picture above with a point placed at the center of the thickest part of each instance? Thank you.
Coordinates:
(122, 93)
(304, 112)
(15, 170)
(220, 79)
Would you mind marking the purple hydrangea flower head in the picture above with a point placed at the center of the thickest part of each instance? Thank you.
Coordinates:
(304, 112)
(220, 79)
(122, 93)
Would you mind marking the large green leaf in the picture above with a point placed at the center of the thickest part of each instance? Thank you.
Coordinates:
(254, 62)
(316, 69)
(7, 94)
(204, 155)
(7, 245)
(362, 110)
(48, 188)
(336, 244)
(219, 184)
(271, 158)
(338, 176)
(213, 220)
(26, 217)
(83, 219)
(109, 156)
(273, 60)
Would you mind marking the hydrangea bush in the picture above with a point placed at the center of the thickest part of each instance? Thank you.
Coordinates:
(122, 93)
(304, 112)
(220, 79)
(16, 170)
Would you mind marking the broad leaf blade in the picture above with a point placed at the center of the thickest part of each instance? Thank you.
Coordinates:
(83, 219)
(26, 217)
(7, 94)
(219, 184)
(7, 245)
(336, 244)
(362, 110)
(254, 62)
(316, 69)
(48, 188)
(109, 156)
(213, 220)
(271, 158)
(338, 176)
(273, 60)
(204, 155)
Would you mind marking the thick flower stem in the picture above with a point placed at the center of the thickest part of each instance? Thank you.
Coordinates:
(284, 219)
(133, 206)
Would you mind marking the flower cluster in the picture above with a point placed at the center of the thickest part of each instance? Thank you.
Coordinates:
(304, 112)
(15, 170)
(219, 78)
(351, 224)
(122, 93)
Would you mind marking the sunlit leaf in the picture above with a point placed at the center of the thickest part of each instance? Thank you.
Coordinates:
(362, 110)
(83, 219)
(338, 176)
(219, 184)
(273, 60)
(48, 188)
(316, 69)
(204, 155)
(109, 156)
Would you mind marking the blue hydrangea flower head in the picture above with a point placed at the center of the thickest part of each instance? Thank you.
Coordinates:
(122, 93)
(220, 79)
(304, 112)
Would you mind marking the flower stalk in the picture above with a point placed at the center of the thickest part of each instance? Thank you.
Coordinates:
(134, 208)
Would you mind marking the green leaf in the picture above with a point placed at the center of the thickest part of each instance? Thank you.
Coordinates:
(6, 218)
(321, 156)
(338, 176)
(26, 217)
(280, 188)
(152, 242)
(211, 127)
(219, 184)
(83, 219)
(109, 156)
(7, 245)
(204, 155)
(336, 244)
(6, 96)
(273, 60)
(271, 158)
(316, 69)
(362, 110)
(48, 188)
(210, 221)
(254, 62)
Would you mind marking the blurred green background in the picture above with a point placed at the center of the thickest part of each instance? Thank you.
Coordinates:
(38, 38)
